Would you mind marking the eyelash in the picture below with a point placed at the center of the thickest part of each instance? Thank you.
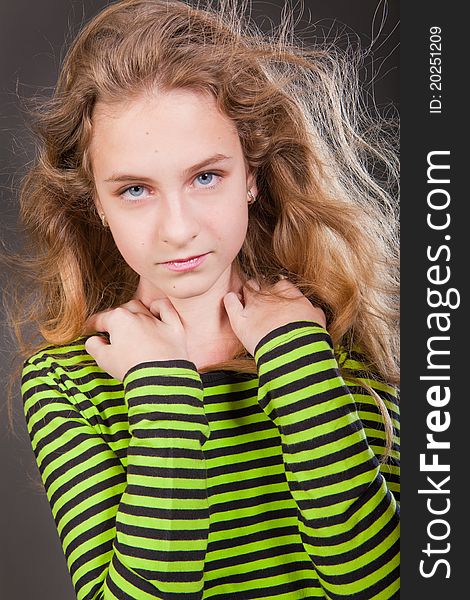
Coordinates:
(137, 200)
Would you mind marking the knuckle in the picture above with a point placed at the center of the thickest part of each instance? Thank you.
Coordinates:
(90, 345)
(132, 304)
(159, 302)
(119, 314)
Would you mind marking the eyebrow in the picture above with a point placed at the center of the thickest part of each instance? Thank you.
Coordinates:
(217, 158)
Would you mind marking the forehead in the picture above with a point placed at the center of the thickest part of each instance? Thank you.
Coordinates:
(162, 115)
(160, 133)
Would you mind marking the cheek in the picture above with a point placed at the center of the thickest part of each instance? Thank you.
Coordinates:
(131, 248)
(234, 228)
(241, 222)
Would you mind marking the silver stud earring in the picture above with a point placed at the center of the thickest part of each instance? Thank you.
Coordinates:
(251, 197)
(103, 220)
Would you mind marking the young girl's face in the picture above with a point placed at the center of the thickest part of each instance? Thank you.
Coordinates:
(171, 178)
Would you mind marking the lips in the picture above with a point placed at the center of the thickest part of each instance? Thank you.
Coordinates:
(182, 260)
(187, 264)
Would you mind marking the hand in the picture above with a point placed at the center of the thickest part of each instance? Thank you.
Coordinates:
(136, 335)
(259, 315)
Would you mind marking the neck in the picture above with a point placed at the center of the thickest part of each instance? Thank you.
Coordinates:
(209, 334)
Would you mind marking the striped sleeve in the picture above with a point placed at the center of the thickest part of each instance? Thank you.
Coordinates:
(348, 516)
(139, 532)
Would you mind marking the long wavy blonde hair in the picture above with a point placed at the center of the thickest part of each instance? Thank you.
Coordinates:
(325, 216)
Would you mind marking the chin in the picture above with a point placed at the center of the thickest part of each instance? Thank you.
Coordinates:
(188, 289)
(193, 285)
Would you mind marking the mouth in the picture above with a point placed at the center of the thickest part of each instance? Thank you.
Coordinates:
(184, 264)
(182, 260)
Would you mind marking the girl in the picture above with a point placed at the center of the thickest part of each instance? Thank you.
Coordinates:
(212, 412)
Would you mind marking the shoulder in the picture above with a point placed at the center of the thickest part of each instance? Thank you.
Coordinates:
(70, 353)
(377, 403)
(64, 377)
(355, 364)
(59, 360)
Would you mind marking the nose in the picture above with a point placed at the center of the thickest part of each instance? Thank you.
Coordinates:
(177, 222)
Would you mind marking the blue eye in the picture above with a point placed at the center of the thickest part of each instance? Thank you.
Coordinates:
(134, 194)
(134, 191)
(205, 178)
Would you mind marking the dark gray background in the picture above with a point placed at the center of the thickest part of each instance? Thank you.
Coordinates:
(33, 35)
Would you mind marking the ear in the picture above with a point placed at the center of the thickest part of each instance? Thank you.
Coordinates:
(251, 183)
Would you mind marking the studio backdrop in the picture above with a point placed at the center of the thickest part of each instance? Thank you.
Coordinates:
(32, 43)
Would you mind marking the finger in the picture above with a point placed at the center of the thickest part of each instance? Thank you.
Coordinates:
(91, 325)
(96, 322)
(290, 289)
(164, 309)
(259, 292)
(137, 307)
(94, 346)
(240, 296)
(233, 305)
(100, 321)
(251, 286)
(88, 327)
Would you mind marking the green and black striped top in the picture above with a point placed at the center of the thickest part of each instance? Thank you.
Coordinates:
(179, 485)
